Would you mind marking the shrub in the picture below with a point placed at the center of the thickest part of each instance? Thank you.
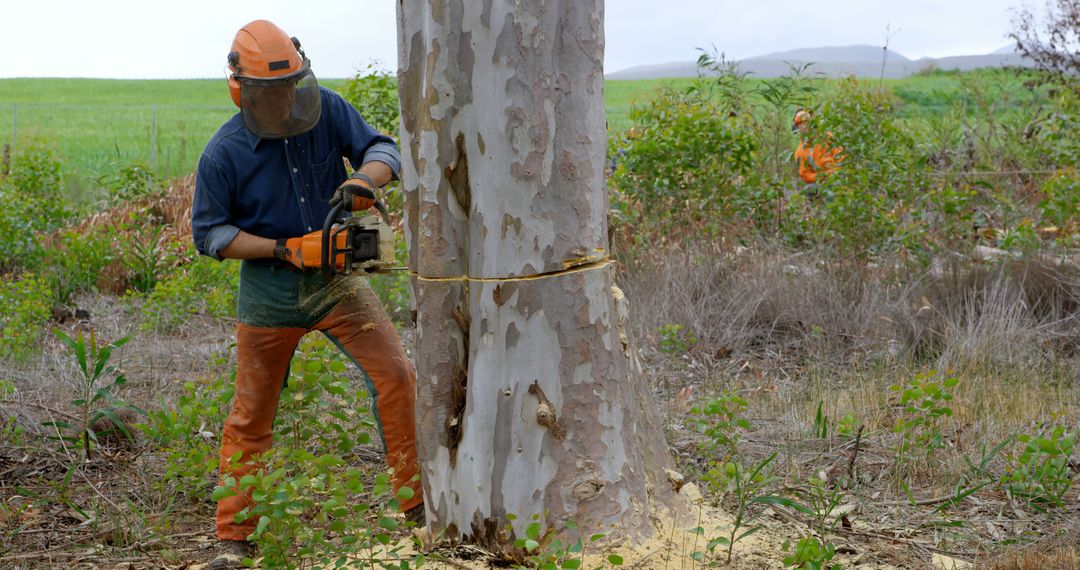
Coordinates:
(129, 183)
(374, 93)
(868, 204)
(37, 180)
(1061, 204)
(189, 432)
(204, 286)
(31, 202)
(1041, 472)
(75, 262)
(27, 307)
(146, 250)
(685, 164)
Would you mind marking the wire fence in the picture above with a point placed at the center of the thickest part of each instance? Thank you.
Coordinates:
(96, 142)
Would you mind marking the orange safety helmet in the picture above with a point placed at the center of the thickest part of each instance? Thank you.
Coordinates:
(271, 81)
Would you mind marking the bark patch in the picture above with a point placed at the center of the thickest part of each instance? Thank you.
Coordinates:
(458, 389)
(458, 175)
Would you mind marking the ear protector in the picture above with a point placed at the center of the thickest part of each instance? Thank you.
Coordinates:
(234, 84)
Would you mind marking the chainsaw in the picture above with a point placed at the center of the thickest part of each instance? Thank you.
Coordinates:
(365, 243)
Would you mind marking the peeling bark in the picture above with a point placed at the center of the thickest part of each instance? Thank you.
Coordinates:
(529, 402)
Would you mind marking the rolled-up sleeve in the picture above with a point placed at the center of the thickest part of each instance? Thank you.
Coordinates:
(211, 224)
(386, 153)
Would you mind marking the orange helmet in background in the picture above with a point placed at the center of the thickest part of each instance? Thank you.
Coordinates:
(271, 82)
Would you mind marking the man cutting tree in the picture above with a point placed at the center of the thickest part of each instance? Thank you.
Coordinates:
(265, 184)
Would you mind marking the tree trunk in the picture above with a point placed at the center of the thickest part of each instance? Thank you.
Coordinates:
(529, 402)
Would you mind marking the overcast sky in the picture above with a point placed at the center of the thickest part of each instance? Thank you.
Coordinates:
(189, 38)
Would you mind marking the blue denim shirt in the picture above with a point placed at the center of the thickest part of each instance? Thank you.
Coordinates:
(279, 188)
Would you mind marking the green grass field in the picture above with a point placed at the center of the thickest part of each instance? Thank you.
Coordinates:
(100, 126)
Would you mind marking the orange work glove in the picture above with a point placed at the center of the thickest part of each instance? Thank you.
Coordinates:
(357, 193)
(305, 252)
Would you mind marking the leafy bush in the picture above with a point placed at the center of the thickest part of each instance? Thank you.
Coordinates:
(1061, 204)
(37, 180)
(19, 244)
(685, 164)
(866, 205)
(204, 286)
(146, 251)
(27, 306)
(189, 432)
(75, 261)
(31, 202)
(1041, 473)
(373, 92)
(129, 183)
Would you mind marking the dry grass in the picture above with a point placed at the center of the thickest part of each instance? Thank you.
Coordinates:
(792, 331)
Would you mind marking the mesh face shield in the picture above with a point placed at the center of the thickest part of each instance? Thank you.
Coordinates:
(281, 107)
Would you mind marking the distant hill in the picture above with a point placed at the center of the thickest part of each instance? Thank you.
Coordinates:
(840, 61)
(841, 54)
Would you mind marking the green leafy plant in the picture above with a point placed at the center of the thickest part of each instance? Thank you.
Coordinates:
(721, 421)
(1061, 204)
(97, 402)
(685, 165)
(747, 487)
(1041, 472)
(129, 183)
(203, 286)
(539, 549)
(848, 426)
(675, 339)
(27, 306)
(373, 91)
(31, 203)
(146, 251)
(821, 423)
(75, 260)
(923, 403)
(809, 554)
(823, 501)
(189, 433)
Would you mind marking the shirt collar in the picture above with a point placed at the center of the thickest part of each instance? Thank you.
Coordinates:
(253, 138)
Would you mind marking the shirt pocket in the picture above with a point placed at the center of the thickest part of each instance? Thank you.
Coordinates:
(327, 174)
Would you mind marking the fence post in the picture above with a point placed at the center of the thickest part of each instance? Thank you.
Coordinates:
(153, 136)
(14, 127)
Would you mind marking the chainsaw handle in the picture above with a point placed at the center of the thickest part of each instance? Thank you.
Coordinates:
(326, 261)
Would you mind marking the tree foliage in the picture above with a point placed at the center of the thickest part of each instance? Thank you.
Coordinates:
(1052, 41)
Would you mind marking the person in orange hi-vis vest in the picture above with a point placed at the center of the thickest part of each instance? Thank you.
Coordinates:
(817, 160)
